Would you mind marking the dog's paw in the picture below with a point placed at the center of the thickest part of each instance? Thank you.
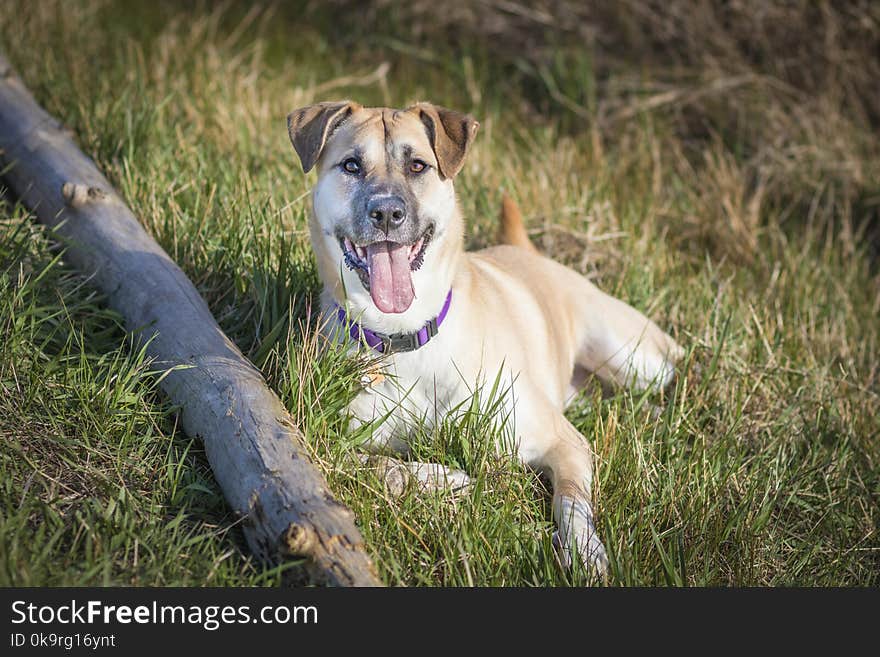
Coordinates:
(653, 368)
(398, 476)
(591, 553)
(651, 361)
(577, 535)
(433, 476)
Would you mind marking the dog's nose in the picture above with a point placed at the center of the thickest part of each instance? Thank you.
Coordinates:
(386, 212)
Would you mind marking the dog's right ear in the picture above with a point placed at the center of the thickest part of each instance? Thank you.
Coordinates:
(310, 127)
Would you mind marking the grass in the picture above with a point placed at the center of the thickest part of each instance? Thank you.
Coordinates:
(728, 192)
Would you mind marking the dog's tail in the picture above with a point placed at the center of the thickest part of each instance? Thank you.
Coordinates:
(512, 229)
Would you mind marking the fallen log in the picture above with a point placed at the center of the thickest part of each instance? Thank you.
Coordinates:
(253, 445)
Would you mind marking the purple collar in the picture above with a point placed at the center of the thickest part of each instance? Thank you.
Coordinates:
(396, 342)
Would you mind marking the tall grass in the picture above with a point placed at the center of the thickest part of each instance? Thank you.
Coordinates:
(703, 164)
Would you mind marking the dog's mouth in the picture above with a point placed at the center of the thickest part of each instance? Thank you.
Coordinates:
(385, 269)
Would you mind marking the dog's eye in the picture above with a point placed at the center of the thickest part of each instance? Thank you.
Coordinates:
(351, 165)
(418, 166)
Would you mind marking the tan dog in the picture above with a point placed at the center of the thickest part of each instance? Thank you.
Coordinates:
(387, 233)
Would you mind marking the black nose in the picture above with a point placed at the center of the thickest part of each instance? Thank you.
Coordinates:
(386, 212)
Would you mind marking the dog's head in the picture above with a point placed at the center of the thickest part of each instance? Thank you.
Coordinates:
(385, 226)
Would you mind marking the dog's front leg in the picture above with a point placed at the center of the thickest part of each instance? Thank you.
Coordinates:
(576, 533)
(549, 443)
(389, 436)
(379, 419)
(570, 466)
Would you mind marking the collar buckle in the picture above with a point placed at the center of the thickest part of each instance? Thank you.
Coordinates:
(397, 342)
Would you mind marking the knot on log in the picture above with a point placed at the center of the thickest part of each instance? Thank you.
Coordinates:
(76, 195)
(300, 540)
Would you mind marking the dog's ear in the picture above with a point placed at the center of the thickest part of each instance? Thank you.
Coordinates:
(451, 134)
(310, 127)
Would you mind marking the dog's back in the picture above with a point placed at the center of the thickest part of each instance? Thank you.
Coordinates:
(540, 300)
(581, 325)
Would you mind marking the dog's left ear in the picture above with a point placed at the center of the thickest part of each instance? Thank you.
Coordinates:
(451, 134)
(310, 127)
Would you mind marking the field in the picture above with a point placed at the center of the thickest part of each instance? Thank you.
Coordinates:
(716, 167)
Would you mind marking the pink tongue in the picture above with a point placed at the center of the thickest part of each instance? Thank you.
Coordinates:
(390, 276)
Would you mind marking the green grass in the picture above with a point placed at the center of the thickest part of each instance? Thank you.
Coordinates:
(743, 221)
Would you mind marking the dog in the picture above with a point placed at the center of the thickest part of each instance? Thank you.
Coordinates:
(387, 234)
